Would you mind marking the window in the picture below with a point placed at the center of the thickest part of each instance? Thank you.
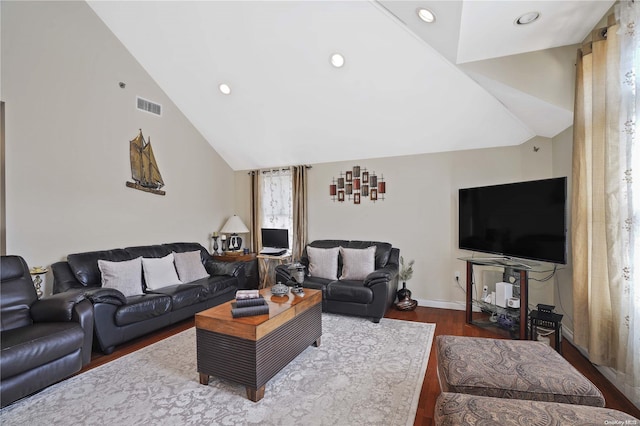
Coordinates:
(276, 201)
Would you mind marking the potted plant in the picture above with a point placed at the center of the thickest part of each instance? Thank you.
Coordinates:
(405, 274)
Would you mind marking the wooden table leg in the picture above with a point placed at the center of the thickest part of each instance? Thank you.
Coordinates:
(204, 379)
(255, 395)
(317, 342)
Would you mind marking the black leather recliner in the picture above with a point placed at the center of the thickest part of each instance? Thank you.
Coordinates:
(370, 297)
(42, 341)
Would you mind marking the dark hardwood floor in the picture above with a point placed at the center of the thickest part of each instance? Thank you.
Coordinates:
(447, 322)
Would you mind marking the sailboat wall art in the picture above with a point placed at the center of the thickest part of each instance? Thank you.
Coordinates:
(144, 169)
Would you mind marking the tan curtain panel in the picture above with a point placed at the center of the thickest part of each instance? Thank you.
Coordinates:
(256, 236)
(594, 112)
(299, 183)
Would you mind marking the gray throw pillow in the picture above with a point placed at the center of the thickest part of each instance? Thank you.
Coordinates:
(189, 266)
(323, 263)
(357, 263)
(159, 272)
(124, 276)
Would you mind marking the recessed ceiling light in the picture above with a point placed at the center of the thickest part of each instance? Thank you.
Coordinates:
(337, 60)
(426, 15)
(527, 18)
(225, 89)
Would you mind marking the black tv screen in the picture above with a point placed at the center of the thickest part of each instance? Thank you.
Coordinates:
(276, 238)
(524, 220)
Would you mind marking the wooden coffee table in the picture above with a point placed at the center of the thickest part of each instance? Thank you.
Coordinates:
(251, 350)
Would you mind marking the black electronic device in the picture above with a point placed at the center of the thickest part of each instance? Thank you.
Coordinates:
(523, 220)
(275, 242)
(547, 309)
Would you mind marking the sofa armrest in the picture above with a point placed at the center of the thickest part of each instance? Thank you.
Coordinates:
(56, 308)
(83, 315)
(106, 295)
(282, 274)
(216, 267)
(382, 275)
(232, 269)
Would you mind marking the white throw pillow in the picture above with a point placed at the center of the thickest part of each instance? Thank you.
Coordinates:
(159, 272)
(357, 263)
(124, 276)
(189, 266)
(323, 262)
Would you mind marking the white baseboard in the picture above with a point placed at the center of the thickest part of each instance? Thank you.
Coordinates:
(567, 334)
(458, 306)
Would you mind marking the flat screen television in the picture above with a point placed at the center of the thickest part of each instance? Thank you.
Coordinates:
(275, 238)
(524, 220)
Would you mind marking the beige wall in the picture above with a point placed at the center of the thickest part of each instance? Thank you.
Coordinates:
(68, 126)
(562, 151)
(419, 214)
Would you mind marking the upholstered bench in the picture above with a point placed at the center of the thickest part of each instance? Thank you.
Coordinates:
(458, 409)
(516, 369)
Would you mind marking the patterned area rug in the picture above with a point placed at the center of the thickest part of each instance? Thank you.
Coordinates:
(362, 373)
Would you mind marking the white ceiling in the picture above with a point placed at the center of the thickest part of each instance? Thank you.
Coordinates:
(400, 92)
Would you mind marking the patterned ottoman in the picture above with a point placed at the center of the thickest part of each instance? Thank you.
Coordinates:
(458, 409)
(516, 369)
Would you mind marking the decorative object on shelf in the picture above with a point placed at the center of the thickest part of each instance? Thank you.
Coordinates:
(214, 247)
(144, 169)
(359, 184)
(36, 271)
(234, 226)
(223, 244)
(279, 289)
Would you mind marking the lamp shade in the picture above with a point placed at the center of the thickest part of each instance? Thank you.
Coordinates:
(234, 225)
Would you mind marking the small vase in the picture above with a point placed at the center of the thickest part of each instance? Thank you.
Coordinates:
(404, 292)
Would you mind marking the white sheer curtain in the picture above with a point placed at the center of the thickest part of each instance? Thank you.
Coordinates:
(277, 200)
(627, 180)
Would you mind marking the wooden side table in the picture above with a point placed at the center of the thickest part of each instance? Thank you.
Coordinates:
(250, 268)
(267, 265)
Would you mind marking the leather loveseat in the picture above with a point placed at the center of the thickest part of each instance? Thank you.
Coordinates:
(43, 341)
(119, 318)
(369, 297)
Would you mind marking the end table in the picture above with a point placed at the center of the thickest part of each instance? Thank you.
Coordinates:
(267, 265)
(36, 271)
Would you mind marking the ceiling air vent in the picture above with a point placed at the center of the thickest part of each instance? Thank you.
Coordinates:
(148, 106)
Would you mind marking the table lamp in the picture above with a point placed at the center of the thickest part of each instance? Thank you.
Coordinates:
(234, 226)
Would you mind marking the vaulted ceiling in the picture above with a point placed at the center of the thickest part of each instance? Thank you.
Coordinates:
(470, 79)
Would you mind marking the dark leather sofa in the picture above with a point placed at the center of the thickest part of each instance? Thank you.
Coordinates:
(42, 341)
(118, 318)
(368, 298)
